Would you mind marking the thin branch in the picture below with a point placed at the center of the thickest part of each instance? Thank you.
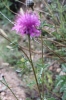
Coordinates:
(6, 18)
(9, 89)
(33, 67)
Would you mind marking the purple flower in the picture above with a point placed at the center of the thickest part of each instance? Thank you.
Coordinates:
(27, 23)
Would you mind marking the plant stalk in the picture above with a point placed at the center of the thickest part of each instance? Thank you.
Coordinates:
(9, 89)
(43, 69)
(33, 67)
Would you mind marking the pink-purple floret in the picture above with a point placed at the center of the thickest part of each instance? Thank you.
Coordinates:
(27, 23)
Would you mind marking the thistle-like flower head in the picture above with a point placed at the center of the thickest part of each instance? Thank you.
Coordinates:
(27, 23)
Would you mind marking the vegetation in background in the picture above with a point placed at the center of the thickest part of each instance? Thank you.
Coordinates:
(55, 43)
(4, 8)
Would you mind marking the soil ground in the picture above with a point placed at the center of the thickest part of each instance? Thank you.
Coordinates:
(13, 82)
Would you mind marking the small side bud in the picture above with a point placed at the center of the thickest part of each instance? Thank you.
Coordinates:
(49, 2)
(30, 3)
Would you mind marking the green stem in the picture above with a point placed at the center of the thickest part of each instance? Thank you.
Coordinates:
(43, 70)
(0, 98)
(9, 88)
(33, 67)
(42, 48)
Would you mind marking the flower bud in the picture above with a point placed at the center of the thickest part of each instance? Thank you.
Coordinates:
(30, 3)
(49, 1)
